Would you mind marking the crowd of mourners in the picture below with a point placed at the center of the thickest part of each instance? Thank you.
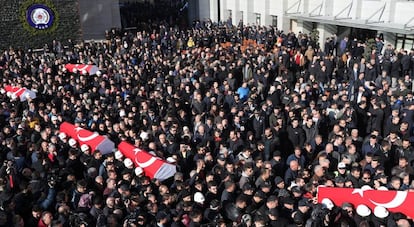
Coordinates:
(253, 129)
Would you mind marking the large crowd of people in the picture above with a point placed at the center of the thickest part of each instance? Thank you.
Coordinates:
(255, 120)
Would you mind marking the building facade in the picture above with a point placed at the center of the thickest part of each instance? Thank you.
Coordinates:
(393, 19)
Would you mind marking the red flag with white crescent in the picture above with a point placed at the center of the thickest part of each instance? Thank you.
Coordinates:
(19, 92)
(91, 69)
(92, 139)
(394, 201)
(153, 166)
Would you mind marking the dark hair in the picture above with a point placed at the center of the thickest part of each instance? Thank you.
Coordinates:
(318, 215)
(81, 183)
(228, 184)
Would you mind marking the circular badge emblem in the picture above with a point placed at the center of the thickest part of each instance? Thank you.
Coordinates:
(40, 16)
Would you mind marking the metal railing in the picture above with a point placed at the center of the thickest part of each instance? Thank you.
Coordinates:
(320, 6)
(349, 8)
(297, 3)
(381, 13)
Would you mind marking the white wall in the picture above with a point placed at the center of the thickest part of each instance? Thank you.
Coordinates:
(339, 6)
(261, 6)
(277, 8)
(405, 11)
(248, 11)
(314, 6)
(370, 7)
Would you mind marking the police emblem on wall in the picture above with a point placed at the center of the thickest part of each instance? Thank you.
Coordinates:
(38, 16)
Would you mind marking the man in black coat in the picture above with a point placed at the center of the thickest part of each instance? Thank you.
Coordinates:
(270, 142)
(296, 134)
(405, 63)
(362, 117)
(376, 116)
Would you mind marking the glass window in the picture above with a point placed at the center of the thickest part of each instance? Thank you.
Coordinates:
(400, 43)
(408, 44)
(405, 42)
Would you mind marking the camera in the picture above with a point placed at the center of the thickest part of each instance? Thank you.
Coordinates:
(52, 180)
(51, 183)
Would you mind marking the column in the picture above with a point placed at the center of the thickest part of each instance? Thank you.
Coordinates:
(267, 19)
(251, 16)
(280, 12)
(325, 31)
(237, 15)
(223, 10)
(213, 8)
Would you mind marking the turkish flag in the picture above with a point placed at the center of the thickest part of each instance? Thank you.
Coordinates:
(92, 139)
(91, 69)
(153, 166)
(394, 201)
(19, 92)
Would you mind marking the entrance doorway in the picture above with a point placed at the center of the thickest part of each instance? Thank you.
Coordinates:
(362, 34)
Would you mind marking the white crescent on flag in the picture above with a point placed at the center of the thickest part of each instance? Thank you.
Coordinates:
(81, 67)
(91, 69)
(86, 138)
(146, 163)
(394, 201)
(20, 92)
(153, 166)
(92, 139)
